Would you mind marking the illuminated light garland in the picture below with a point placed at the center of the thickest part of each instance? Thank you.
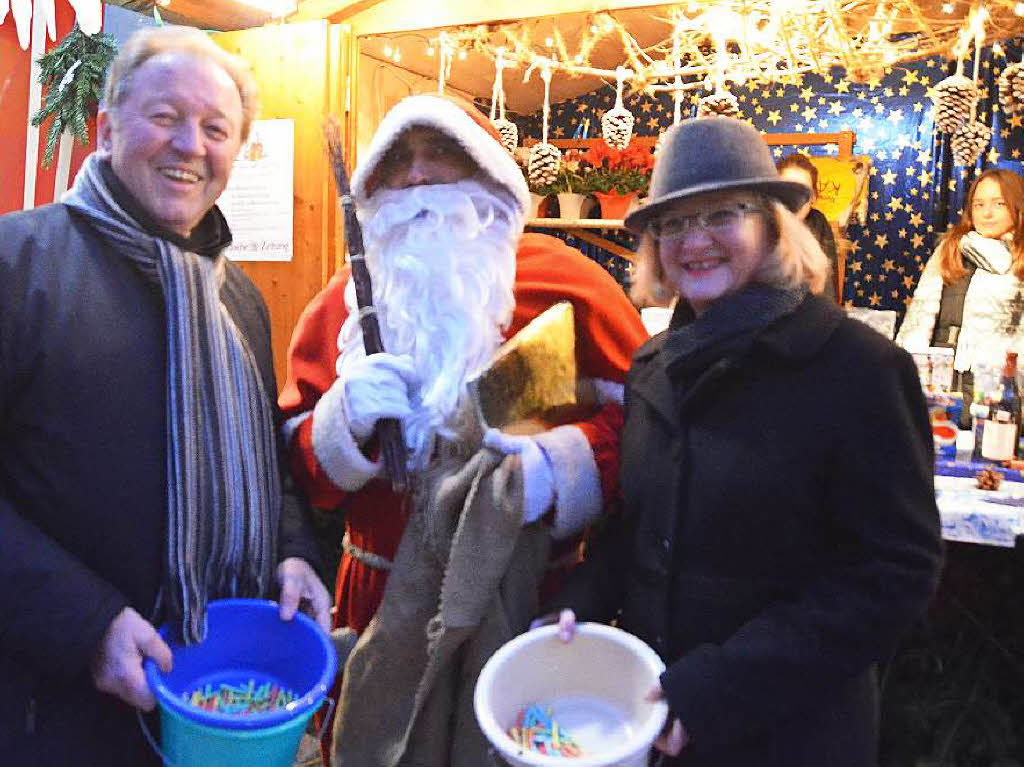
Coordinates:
(750, 41)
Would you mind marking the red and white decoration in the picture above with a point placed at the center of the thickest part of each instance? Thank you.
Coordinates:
(27, 30)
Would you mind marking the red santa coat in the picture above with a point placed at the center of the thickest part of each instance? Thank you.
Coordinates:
(584, 455)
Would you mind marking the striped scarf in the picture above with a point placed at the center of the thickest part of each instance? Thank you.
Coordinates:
(223, 487)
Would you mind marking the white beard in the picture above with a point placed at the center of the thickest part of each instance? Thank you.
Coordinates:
(442, 261)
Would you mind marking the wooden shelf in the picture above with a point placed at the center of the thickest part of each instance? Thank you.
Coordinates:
(578, 228)
(577, 223)
(843, 139)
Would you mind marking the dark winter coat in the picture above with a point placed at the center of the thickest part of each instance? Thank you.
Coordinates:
(778, 533)
(83, 479)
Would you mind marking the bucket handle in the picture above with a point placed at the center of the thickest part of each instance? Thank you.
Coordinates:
(168, 763)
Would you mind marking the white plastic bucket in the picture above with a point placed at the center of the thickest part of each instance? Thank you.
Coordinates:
(595, 684)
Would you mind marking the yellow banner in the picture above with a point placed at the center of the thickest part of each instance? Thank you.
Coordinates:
(841, 185)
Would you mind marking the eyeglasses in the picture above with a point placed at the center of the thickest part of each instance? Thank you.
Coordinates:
(675, 225)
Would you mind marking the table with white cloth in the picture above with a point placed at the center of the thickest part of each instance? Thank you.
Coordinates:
(970, 515)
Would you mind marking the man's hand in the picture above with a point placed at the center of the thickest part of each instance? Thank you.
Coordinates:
(538, 475)
(673, 738)
(117, 664)
(299, 582)
(375, 387)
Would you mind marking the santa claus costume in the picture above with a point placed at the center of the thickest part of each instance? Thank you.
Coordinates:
(453, 276)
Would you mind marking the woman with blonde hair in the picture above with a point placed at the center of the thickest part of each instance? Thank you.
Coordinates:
(778, 529)
(969, 294)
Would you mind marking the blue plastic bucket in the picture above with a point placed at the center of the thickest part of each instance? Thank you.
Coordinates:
(247, 644)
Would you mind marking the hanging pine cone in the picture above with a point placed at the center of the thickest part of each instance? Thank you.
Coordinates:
(969, 142)
(1011, 89)
(617, 127)
(953, 99)
(509, 133)
(542, 169)
(719, 105)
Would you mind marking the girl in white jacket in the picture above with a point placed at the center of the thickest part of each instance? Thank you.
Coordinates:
(971, 293)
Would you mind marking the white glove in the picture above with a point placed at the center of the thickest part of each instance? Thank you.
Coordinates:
(538, 476)
(375, 387)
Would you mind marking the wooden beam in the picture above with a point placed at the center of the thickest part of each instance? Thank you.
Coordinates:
(223, 15)
(604, 244)
(334, 11)
(843, 139)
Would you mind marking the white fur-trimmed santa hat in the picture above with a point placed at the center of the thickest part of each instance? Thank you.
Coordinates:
(471, 129)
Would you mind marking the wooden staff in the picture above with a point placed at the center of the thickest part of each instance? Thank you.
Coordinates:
(389, 430)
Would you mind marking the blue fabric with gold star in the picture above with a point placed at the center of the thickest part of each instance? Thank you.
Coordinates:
(915, 189)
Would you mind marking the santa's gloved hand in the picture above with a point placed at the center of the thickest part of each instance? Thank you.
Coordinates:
(375, 387)
(538, 476)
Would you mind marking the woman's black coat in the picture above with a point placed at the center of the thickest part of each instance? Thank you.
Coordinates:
(778, 534)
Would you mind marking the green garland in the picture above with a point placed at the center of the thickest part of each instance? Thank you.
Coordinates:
(72, 105)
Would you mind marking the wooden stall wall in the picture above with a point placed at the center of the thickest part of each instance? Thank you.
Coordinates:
(15, 82)
(302, 71)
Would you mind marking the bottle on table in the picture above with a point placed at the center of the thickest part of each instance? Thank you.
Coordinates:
(1002, 426)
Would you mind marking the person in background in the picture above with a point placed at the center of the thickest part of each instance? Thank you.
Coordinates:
(970, 295)
(139, 465)
(798, 167)
(443, 206)
(778, 529)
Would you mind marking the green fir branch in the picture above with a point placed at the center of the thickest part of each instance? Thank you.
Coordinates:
(73, 105)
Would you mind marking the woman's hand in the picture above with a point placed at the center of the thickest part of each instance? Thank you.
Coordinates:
(566, 620)
(673, 738)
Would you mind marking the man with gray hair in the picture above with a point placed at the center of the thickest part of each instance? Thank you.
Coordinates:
(139, 464)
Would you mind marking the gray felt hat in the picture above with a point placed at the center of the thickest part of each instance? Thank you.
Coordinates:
(712, 154)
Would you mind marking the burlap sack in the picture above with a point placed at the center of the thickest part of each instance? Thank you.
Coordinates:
(464, 582)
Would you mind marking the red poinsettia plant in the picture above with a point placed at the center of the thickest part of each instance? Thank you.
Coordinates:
(606, 169)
